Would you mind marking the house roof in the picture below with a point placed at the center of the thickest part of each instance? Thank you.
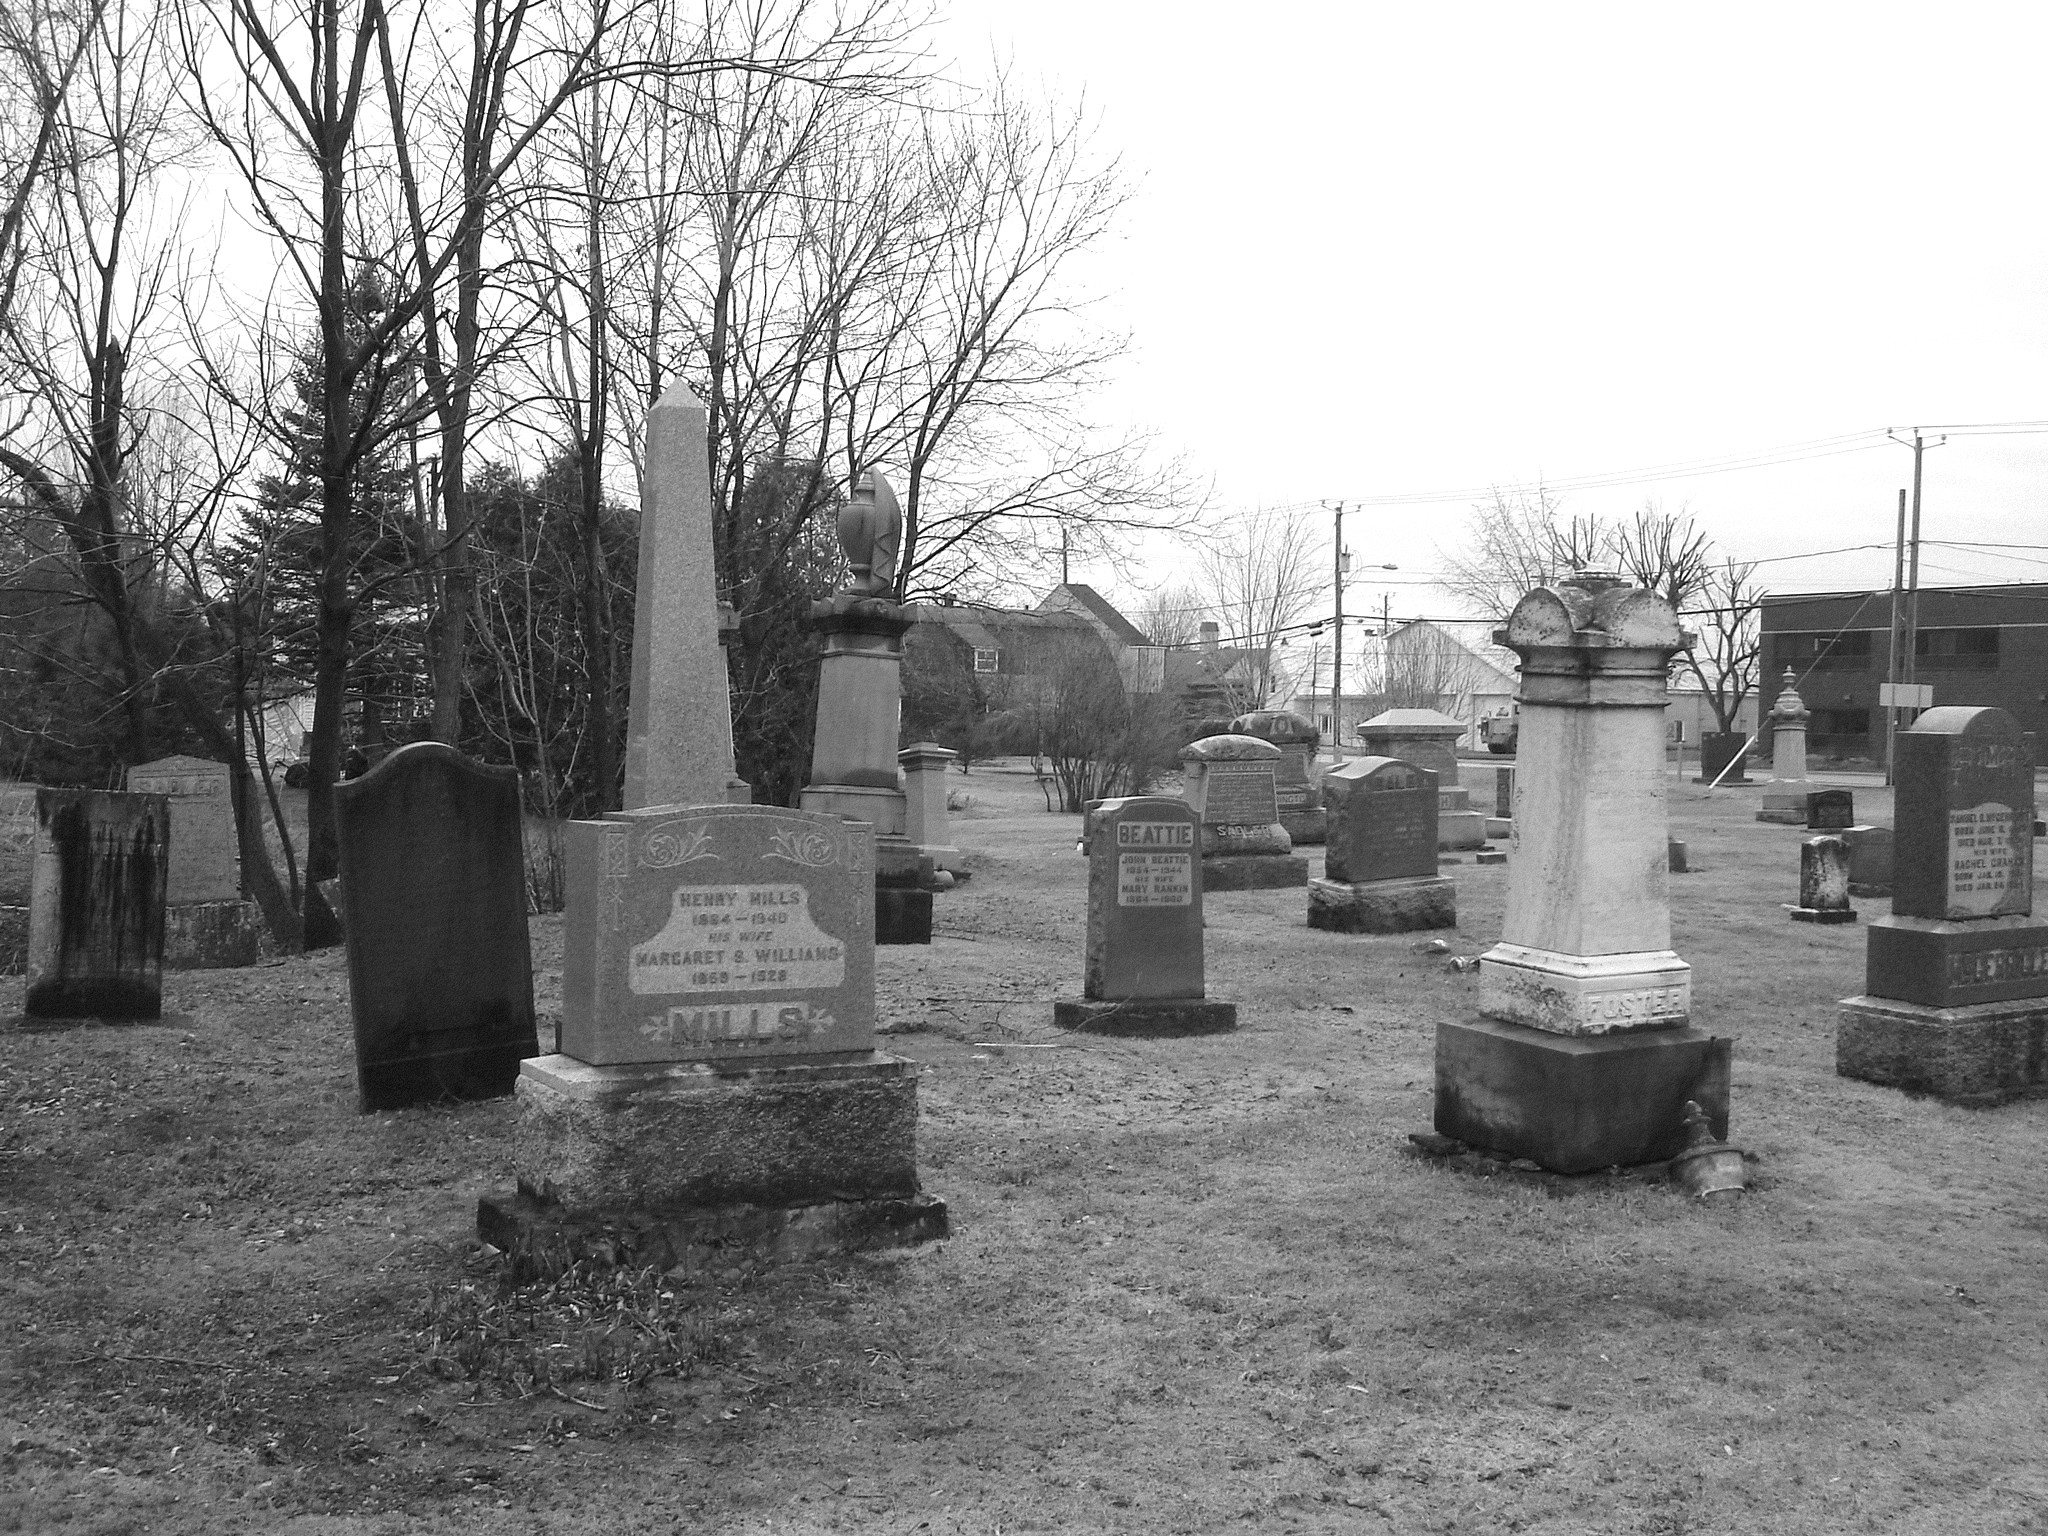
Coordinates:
(1078, 597)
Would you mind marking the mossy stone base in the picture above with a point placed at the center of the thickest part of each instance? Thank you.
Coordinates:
(1985, 1054)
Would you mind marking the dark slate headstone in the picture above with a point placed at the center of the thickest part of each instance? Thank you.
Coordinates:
(1830, 810)
(1144, 900)
(1963, 844)
(1504, 793)
(440, 976)
(1382, 821)
(1870, 860)
(96, 905)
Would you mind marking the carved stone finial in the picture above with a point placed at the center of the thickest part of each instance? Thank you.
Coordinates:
(871, 533)
(1789, 705)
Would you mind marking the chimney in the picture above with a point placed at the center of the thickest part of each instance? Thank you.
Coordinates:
(1210, 634)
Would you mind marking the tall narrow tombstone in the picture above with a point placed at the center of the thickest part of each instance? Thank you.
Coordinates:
(1585, 1055)
(96, 905)
(207, 924)
(1955, 999)
(854, 772)
(1232, 783)
(1143, 972)
(679, 730)
(433, 881)
(17, 861)
(1379, 865)
(1784, 794)
(1823, 883)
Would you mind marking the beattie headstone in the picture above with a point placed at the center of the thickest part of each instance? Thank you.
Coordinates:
(1143, 970)
(1231, 782)
(1379, 864)
(96, 905)
(433, 882)
(1955, 999)
(1586, 1054)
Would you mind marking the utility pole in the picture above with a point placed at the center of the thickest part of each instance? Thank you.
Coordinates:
(1909, 628)
(1891, 665)
(1337, 645)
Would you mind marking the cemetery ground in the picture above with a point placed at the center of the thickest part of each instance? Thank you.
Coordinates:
(1194, 1285)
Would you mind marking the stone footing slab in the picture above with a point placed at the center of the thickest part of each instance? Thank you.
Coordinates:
(543, 1240)
(1785, 807)
(1155, 1017)
(1821, 914)
(1576, 1104)
(13, 940)
(1383, 906)
(903, 917)
(598, 1140)
(1253, 872)
(212, 935)
(1978, 1055)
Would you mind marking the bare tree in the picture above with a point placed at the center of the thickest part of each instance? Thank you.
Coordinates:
(1259, 578)
(1170, 616)
(1514, 544)
(42, 43)
(1727, 605)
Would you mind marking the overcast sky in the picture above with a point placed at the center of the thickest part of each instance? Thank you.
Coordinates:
(1386, 251)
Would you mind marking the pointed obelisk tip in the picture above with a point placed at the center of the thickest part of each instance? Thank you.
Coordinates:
(678, 397)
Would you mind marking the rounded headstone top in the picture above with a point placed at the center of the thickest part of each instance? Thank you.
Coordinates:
(1413, 722)
(1277, 725)
(1789, 705)
(1593, 611)
(1967, 719)
(1230, 748)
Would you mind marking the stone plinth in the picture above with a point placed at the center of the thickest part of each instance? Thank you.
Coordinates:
(927, 823)
(1575, 1105)
(1784, 795)
(1383, 906)
(96, 907)
(1586, 1056)
(1985, 1053)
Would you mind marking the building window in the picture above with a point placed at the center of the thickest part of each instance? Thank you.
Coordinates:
(1957, 649)
(985, 658)
(1841, 722)
(1847, 652)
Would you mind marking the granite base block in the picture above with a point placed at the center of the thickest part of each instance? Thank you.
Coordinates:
(1253, 872)
(903, 917)
(1310, 827)
(1150, 1017)
(597, 1140)
(1573, 1104)
(1502, 827)
(1821, 914)
(212, 935)
(543, 1240)
(1985, 1054)
(1957, 964)
(1383, 906)
(1786, 810)
(1461, 829)
(13, 940)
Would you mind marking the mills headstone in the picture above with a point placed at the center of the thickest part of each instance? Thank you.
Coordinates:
(1956, 979)
(440, 975)
(1143, 970)
(96, 905)
(1379, 865)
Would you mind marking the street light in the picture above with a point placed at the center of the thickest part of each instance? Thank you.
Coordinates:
(1343, 564)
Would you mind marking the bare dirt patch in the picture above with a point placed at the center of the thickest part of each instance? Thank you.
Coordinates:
(1194, 1285)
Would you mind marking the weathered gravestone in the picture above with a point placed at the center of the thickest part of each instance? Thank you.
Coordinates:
(1830, 810)
(927, 822)
(1429, 739)
(1502, 822)
(1823, 882)
(1294, 775)
(1870, 860)
(96, 905)
(207, 925)
(1379, 864)
(1143, 970)
(1586, 1054)
(17, 859)
(1955, 999)
(1232, 784)
(433, 882)
(1784, 794)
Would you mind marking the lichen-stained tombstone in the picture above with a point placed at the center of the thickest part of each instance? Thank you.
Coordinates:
(17, 860)
(207, 925)
(1379, 864)
(1143, 972)
(1955, 999)
(440, 973)
(711, 933)
(96, 905)
(1586, 1055)
(1231, 782)
(1823, 882)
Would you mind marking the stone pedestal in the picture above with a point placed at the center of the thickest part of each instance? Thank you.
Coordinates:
(1382, 906)
(1784, 796)
(927, 823)
(1586, 1055)
(1986, 1053)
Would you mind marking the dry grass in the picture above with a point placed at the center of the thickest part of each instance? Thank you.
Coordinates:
(1195, 1285)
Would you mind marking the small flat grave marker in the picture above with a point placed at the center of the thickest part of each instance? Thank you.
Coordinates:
(1830, 810)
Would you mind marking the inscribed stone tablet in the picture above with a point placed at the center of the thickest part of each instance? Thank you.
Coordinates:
(1964, 846)
(1144, 901)
(17, 842)
(1383, 821)
(1240, 794)
(433, 880)
(709, 933)
(96, 915)
(1830, 810)
(204, 863)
